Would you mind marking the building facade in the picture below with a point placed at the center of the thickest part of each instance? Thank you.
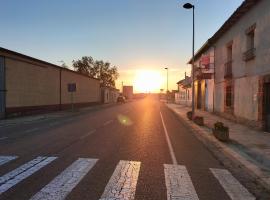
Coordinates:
(109, 95)
(242, 65)
(128, 92)
(29, 85)
(184, 94)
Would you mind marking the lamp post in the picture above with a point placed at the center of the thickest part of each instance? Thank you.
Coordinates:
(167, 83)
(190, 6)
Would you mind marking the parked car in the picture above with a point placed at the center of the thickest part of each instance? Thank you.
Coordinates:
(121, 99)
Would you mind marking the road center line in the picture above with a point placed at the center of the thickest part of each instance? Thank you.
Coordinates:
(174, 161)
(31, 130)
(88, 134)
(107, 122)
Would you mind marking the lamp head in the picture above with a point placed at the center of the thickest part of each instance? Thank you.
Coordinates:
(188, 6)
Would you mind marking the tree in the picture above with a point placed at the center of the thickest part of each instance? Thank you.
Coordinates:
(97, 69)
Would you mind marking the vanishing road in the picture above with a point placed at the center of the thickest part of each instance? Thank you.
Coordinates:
(138, 150)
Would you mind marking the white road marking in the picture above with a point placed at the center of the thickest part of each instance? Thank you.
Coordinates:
(87, 134)
(178, 183)
(234, 189)
(3, 138)
(6, 159)
(122, 184)
(64, 183)
(174, 161)
(54, 123)
(107, 122)
(31, 130)
(17, 175)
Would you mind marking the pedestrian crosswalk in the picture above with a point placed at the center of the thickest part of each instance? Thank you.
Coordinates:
(122, 183)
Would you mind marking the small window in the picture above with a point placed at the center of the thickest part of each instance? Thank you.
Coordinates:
(250, 39)
(229, 52)
(229, 96)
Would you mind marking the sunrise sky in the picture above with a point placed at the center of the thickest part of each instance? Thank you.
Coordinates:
(140, 37)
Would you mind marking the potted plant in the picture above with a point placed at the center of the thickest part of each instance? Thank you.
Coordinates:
(199, 120)
(221, 132)
(189, 115)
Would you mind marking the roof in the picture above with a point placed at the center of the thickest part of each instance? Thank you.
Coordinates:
(41, 61)
(185, 81)
(246, 6)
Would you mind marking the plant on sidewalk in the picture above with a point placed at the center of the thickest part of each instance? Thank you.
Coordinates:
(189, 115)
(221, 132)
(198, 120)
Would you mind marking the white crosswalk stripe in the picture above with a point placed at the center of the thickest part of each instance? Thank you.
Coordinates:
(234, 189)
(17, 175)
(122, 184)
(178, 183)
(63, 184)
(6, 159)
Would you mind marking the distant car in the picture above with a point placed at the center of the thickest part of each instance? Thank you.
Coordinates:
(121, 99)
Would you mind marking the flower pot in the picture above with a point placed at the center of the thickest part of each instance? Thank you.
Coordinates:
(221, 134)
(198, 120)
(189, 115)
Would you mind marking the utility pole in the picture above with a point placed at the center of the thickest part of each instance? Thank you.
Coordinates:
(190, 6)
(167, 95)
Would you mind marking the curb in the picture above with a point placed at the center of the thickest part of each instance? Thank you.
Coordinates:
(258, 174)
(33, 118)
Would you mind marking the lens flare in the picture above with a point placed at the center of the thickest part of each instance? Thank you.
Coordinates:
(124, 120)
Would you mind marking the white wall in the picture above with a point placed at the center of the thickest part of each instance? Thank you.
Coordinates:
(245, 74)
(246, 97)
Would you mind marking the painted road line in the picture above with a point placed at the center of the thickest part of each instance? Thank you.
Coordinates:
(31, 130)
(64, 183)
(122, 184)
(12, 178)
(3, 138)
(6, 159)
(174, 161)
(234, 189)
(87, 134)
(107, 122)
(178, 183)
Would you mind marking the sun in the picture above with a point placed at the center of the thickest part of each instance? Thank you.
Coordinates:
(147, 81)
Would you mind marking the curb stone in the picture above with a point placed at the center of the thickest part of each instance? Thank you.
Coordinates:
(259, 174)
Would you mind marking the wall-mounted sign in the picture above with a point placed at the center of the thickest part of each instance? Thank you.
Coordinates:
(71, 87)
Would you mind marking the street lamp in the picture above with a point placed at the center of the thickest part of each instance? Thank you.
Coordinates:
(167, 82)
(190, 6)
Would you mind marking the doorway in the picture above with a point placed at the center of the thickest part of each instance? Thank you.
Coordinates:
(267, 106)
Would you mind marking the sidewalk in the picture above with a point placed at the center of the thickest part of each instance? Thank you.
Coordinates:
(51, 115)
(249, 147)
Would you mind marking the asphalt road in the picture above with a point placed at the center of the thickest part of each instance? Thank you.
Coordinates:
(138, 150)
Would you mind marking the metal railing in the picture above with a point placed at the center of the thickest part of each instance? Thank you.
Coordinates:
(249, 54)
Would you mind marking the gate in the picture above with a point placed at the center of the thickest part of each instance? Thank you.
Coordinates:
(267, 106)
(2, 87)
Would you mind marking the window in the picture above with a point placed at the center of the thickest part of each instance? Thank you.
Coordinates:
(228, 64)
(229, 52)
(250, 39)
(249, 54)
(229, 96)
